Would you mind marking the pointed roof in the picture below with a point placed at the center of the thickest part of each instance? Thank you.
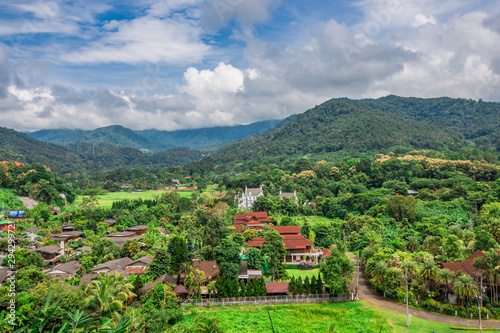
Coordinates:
(180, 289)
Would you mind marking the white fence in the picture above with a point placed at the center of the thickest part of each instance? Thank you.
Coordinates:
(270, 299)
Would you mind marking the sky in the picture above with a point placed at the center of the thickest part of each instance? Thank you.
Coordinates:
(177, 64)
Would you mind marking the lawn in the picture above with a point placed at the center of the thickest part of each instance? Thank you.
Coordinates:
(302, 273)
(106, 200)
(315, 317)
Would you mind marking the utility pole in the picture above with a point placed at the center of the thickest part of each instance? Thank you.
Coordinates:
(357, 281)
(406, 299)
(480, 299)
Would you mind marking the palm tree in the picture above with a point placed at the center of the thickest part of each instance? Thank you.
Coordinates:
(109, 293)
(445, 276)
(464, 287)
(379, 271)
(428, 272)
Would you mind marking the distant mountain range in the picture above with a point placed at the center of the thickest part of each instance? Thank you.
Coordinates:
(332, 130)
(155, 140)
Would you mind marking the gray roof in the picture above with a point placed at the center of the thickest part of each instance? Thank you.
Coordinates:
(70, 267)
(109, 222)
(51, 249)
(85, 249)
(117, 264)
(146, 260)
(87, 278)
(137, 228)
(3, 275)
(35, 229)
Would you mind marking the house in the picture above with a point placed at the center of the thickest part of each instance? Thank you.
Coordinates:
(291, 196)
(298, 248)
(69, 269)
(110, 223)
(138, 230)
(64, 237)
(68, 227)
(209, 268)
(139, 266)
(175, 182)
(249, 196)
(51, 254)
(87, 279)
(277, 288)
(83, 249)
(4, 275)
(287, 230)
(31, 236)
(121, 237)
(255, 220)
(35, 229)
(248, 274)
(7, 225)
(464, 266)
(117, 265)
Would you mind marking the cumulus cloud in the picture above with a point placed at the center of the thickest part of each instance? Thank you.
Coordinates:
(424, 48)
(145, 39)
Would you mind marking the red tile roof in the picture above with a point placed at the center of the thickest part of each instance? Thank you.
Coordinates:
(290, 241)
(326, 253)
(277, 288)
(135, 269)
(283, 230)
(245, 218)
(464, 266)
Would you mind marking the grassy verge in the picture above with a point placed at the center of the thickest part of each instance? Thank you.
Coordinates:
(316, 317)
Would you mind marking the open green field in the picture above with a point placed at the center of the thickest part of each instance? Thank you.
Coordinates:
(106, 200)
(302, 273)
(315, 318)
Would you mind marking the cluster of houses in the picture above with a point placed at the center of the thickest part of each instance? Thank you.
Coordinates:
(299, 250)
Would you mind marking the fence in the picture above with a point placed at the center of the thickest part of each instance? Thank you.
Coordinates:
(270, 299)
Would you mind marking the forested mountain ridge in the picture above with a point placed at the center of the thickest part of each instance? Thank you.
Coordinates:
(476, 120)
(16, 146)
(339, 128)
(152, 139)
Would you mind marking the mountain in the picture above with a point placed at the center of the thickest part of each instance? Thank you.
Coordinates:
(340, 128)
(155, 140)
(16, 146)
(478, 121)
(54, 134)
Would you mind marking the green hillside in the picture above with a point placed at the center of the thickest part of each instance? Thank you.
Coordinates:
(16, 146)
(340, 128)
(476, 120)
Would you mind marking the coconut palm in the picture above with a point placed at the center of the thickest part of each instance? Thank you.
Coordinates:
(490, 264)
(445, 276)
(109, 293)
(464, 287)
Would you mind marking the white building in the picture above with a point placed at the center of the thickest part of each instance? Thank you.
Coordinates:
(249, 196)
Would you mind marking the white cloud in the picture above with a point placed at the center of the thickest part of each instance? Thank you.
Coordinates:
(421, 19)
(145, 39)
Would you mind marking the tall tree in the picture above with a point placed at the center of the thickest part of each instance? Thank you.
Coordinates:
(274, 248)
(227, 256)
(337, 270)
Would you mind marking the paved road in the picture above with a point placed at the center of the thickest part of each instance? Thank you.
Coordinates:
(28, 202)
(367, 294)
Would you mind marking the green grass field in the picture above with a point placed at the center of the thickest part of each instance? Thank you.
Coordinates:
(106, 200)
(315, 317)
(302, 274)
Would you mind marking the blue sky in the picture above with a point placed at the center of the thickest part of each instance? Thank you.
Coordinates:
(175, 64)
